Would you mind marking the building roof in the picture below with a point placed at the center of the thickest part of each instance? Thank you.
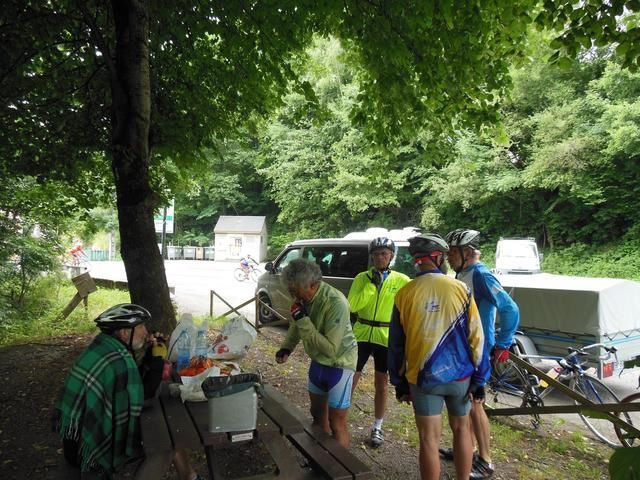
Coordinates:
(239, 224)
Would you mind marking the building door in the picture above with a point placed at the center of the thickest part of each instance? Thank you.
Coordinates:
(235, 247)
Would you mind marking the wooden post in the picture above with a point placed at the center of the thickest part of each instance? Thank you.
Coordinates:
(84, 285)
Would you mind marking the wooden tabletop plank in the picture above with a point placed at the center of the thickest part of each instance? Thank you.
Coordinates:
(181, 427)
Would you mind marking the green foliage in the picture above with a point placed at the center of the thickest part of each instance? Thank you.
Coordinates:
(38, 317)
(625, 464)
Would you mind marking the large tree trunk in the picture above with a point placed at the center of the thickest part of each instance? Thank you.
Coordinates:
(131, 116)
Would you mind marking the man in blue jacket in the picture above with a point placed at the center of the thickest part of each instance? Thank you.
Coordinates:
(491, 298)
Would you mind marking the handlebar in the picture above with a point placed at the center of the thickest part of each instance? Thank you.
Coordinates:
(582, 351)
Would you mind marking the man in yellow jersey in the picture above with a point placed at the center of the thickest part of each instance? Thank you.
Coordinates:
(436, 354)
(371, 298)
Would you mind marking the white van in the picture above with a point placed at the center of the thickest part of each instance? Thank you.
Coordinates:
(517, 255)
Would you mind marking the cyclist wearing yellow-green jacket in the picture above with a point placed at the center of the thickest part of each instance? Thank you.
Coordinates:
(371, 298)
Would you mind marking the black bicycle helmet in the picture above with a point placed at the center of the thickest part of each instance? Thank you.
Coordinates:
(124, 315)
(462, 237)
(382, 242)
(426, 244)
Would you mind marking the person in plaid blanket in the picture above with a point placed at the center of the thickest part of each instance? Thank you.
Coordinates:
(98, 413)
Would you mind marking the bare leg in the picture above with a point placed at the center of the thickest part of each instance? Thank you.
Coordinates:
(356, 377)
(381, 381)
(339, 428)
(183, 467)
(462, 446)
(320, 412)
(429, 431)
(481, 429)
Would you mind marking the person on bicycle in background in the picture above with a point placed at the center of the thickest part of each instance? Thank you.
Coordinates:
(436, 354)
(371, 298)
(491, 298)
(246, 264)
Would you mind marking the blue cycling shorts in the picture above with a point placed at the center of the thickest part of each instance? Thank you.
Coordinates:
(332, 382)
(429, 401)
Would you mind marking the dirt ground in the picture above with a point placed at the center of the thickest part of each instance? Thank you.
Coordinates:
(32, 375)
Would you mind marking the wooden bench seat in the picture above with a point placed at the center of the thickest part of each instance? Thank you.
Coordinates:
(322, 450)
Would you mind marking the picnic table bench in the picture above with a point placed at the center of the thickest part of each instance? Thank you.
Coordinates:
(281, 427)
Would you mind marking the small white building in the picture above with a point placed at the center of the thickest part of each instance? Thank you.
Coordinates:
(237, 236)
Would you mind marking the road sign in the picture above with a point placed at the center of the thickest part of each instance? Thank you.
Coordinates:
(159, 218)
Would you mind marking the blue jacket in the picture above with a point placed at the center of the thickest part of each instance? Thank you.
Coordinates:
(491, 298)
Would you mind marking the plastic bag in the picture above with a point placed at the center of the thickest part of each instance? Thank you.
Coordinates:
(191, 388)
(235, 339)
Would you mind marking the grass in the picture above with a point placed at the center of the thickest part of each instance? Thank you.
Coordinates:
(40, 317)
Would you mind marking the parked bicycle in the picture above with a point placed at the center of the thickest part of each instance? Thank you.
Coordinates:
(250, 272)
(510, 380)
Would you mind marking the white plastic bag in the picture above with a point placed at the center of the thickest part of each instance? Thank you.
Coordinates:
(191, 388)
(235, 339)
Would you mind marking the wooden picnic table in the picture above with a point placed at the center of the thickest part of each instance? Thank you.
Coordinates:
(169, 424)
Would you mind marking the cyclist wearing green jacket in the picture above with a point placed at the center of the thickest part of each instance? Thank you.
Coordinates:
(371, 298)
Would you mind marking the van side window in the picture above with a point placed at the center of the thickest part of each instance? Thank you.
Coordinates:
(403, 262)
(286, 258)
(344, 262)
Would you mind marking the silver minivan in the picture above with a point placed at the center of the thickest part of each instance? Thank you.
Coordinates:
(340, 260)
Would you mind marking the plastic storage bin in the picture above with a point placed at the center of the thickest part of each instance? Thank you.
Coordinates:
(233, 402)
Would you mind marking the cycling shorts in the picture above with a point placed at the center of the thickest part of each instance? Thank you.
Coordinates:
(332, 382)
(366, 349)
(428, 401)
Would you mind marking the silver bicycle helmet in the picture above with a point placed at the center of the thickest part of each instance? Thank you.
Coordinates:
(382, 242)
(124, 315)
(426, 244)
(462, 237)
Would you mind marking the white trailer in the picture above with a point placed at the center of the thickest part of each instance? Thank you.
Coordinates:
(558, 311)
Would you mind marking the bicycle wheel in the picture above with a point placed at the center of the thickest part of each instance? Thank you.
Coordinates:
(509, 386)
(239, 275)
(629, 440)
(597, 392)
(254, 274)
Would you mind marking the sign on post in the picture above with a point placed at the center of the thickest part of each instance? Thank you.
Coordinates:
(159, 219)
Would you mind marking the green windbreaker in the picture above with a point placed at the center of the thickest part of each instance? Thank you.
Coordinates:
(326, 332)
(374, 307)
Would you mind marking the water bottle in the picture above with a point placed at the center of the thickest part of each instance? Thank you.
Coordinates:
(184, 350)
(202, 345)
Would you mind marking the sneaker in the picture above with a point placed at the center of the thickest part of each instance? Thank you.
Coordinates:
(376, 437)
(446, 453)
(481, 469)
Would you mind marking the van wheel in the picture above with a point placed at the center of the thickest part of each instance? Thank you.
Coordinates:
(264, 314)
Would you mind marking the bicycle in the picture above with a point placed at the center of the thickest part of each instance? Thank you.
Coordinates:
(629, 440)
(251, 273)
(511, 380)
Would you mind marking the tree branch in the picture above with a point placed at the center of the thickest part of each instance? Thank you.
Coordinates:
(98, 38)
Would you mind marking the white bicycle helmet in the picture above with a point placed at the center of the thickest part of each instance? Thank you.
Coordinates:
(124, 315)
(382, 242)
(462, 237)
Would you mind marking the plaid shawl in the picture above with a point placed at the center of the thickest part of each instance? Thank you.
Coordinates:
(101, 404)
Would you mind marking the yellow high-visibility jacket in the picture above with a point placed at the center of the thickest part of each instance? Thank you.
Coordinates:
(374, 307)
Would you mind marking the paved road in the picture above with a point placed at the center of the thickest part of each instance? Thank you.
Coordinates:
(193, 280)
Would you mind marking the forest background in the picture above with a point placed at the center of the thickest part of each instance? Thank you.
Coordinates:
(560, 164)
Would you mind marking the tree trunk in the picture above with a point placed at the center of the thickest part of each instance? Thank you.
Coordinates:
(131, 116)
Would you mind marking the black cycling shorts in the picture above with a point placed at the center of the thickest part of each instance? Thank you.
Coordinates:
(365, 349)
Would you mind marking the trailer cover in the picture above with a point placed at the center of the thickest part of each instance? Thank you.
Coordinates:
(578, 305)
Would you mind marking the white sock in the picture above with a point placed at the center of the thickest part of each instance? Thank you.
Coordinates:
(378, 423)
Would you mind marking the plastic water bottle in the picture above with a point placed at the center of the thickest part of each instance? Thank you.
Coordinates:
(184, 350)
(202, 345)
